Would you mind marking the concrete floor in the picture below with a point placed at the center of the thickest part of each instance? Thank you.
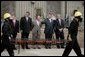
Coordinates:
(47, 52)
(40, 52)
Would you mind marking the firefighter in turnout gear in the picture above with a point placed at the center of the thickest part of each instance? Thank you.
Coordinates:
(73, 31)
(6, 35)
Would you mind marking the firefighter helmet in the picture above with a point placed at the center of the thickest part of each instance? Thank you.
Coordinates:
(6, 15)
(78, 14)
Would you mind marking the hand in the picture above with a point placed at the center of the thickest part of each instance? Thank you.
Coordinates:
(60, 30)
(69, 39)
(9, 38)
(18, 33)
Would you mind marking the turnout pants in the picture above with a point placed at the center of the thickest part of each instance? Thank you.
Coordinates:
(72, 45)
(7, 45)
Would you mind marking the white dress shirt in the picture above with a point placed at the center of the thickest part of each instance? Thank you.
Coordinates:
(59, 21)
(26, 18)
(38, 22)
(50, 20)
(14, 21)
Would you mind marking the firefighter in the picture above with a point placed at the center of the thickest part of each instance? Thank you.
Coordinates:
(73, 30)
(6, 35)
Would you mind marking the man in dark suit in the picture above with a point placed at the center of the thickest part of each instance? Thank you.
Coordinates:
(15, 27)
(48, 29)
(58, 28)
(26, 27)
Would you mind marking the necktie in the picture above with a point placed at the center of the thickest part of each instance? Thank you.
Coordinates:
(26, 18)
(60, 21)
(14, 22)
(50, 20)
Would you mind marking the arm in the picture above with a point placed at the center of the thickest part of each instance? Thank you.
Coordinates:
(21, 24)
(71, 28)
(18, 26)
(54, 24)
(43, 22)
(63, 24)
(31, 24)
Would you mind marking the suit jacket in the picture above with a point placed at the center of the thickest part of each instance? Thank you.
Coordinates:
(48, 26)
(15, 28)
(36, 30)
(57, 25)
(25, 25)
(36, 27)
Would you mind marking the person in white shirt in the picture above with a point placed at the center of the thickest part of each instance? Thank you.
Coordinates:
(36, 31)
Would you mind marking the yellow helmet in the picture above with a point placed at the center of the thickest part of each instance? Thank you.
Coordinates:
(78, 14)
(6, 15)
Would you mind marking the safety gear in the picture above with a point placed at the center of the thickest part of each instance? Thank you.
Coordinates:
(6, 15)
(77, 14)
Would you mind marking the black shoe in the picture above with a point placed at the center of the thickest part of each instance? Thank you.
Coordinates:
(12, 54)
(62, 46)
(15, 48)
(38, 47)
(49, 47)
(81, 55)
(34, 48)
(46, 47)
(27, 48)
(58, 46)
(23, 48)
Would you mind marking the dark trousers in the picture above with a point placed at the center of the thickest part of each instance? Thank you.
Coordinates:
(6, 45)
(49, 38)
(61, 36)
(72, 45)
(24, 37)
(14, 38)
